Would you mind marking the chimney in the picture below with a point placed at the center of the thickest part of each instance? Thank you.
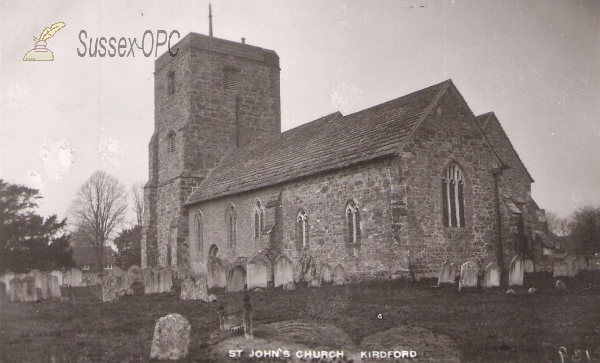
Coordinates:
(243, 40)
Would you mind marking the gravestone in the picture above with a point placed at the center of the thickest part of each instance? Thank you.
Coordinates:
(217, 273)
(16, 290)
(491, 276)
(187, 289)
(3, 291)
(150, 281)
(515, 272)
(73, 277)
(469, 273)
(29, 292)
(198, 290)
(561, 286)
(236, 279)
(315, 282)
(54, 288)
(582, 263)
(447, 273)
(135, 274)
(528, 266)
(59, 276)
(258, 273)
(560, 269)
(171, 338)
(283, 271)
(109, 288)
(326, 274)
(572, 268)
(165, 280)
(339, 275)
(38, 276)
(44, 287)
(290, 286)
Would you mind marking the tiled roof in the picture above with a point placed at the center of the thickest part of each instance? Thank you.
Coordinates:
(331, 142)
(484, 120)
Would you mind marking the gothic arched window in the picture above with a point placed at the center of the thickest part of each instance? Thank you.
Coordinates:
(231, 223)
(353, 223)
(259, 218)
(199, 233)
(302, 228)
(453, 196)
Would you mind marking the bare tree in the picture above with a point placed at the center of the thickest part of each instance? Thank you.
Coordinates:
(137, 194)
(558, 225)
(585, 230)
(99, 207)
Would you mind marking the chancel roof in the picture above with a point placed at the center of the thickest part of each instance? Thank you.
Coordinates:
(330, 142)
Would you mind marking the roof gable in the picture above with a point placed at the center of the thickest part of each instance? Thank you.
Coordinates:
(331, 142)
(488, 119)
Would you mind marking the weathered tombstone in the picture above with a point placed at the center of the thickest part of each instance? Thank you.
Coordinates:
(29, 292)
(54, 288)
(150, 281)
(560, 269)
(74, 277)
(217, 273)
(109, 288)
(491, 276)
(339, 275)
(258, 273)
(326, 274)
(315, 282)
(59, 276)
(560, 285)
(236, 279)
(532, 290)
(187, 289)
(44, 287)
(469, 273)
(171, 338)
(528, 266)
(572, 268)
(116, 271)
(38, 276)
(290, 286)
(447, 273)
(16, 290)
(135, 274)
(511, 292)
(38, 294)
(283, 271)
(165, 280)
(6, 279)
(196, 291)
(582, 263)
(515, 273)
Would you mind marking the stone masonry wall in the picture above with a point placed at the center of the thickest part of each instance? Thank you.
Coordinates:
(448, 134)
(323, 198)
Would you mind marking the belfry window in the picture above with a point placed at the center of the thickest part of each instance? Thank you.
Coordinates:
(230, 79)
(199, 233)
(171, 83)
(231, 222)
(259, 218)
(453, 196)
(302, 228)
(171, 142)
(353, 223)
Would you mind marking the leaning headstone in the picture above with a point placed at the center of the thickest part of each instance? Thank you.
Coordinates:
(491, 276)
(165, 280)
(16, 289)
(572, 268)
(171, 338)
(515, 273)
(560, 269)
(29, 292)
(236, 279)
(528, 266)
(447, 273)
(469, 273)
(339, 275)
(560, 285)
(135, 274)
(109, 288)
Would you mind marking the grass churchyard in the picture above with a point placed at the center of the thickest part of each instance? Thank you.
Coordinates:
(483, 325)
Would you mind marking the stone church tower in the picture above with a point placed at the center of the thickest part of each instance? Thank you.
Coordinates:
(214, 96)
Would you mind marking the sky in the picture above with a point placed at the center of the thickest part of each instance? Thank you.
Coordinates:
(536, 64)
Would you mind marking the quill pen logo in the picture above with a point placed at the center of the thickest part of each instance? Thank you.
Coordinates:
(40, 52)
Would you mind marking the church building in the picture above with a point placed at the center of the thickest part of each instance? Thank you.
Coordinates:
(391, 191)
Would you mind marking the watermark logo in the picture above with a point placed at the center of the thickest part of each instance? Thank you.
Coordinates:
(40, 52)
(126, 47)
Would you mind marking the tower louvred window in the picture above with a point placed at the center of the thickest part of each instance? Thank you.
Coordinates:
(453, 198)
(230, 79)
